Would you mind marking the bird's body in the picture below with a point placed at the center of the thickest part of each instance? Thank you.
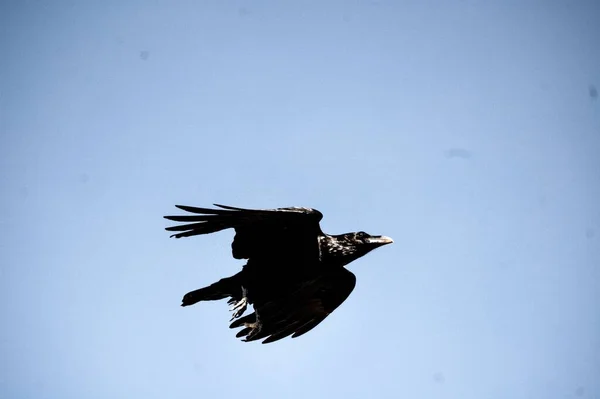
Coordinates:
(294, 277)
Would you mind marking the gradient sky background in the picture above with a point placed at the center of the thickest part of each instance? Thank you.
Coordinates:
(468, 132)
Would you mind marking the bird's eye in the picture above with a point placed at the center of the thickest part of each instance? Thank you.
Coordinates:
(361, 234)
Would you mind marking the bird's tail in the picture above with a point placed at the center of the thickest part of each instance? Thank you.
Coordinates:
(226, 287)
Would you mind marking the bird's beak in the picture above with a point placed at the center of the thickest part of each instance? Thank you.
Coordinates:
(379, 240)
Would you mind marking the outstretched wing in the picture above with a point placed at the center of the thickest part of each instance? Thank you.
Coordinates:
(300, 311)
(260, 233)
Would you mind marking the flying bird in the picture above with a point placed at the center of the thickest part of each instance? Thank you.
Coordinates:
(295, 274)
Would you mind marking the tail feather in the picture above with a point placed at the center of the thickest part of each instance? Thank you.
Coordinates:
(226, 287)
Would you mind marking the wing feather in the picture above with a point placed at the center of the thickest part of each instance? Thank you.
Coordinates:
(299, 312)
(266, 233)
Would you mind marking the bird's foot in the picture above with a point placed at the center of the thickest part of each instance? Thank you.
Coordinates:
(239, 307)
(251, 330)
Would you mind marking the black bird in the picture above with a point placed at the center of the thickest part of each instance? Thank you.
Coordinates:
(294, 276)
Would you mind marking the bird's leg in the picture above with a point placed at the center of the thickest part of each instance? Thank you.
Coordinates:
(239, 307)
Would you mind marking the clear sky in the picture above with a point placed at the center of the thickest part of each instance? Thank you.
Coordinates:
(467, 131)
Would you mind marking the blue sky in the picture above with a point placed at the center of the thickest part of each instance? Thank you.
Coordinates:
(468, 132)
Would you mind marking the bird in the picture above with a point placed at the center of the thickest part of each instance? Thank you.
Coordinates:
(294, 276)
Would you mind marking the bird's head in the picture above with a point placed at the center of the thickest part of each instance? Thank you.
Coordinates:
(348, 247)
